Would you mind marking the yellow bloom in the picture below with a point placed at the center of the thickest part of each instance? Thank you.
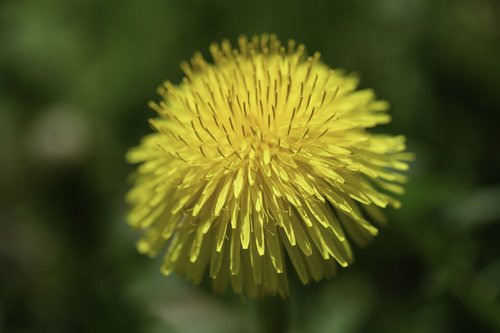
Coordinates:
(260, 157)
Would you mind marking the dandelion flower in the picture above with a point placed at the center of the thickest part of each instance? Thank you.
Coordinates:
(261, 162)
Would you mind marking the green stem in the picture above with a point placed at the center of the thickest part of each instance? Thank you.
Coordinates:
(273, 313)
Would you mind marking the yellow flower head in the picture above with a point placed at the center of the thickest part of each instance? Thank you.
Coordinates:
(259, 161)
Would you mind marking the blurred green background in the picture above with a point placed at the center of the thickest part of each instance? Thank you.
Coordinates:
(75, 79)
